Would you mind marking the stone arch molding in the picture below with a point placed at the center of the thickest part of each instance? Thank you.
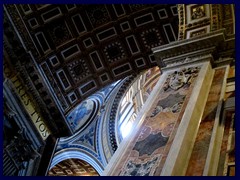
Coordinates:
(72, 153)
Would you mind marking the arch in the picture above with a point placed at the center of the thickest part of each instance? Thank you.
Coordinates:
(71, 153)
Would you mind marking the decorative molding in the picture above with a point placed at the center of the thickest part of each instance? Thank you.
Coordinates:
(216, 16)
(72, 97)
(199, 56)
(52, 14)
(191, 17)
(12, 13)
(113, 113)
(214, 41)
(87, 87)
(182, 21)
(197, 31)
(196, 12)
(125, 26)
(162, 14)
(180, 78)
(52, 82)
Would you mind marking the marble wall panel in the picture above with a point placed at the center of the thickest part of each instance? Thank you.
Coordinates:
(202, 142)
(146, 155)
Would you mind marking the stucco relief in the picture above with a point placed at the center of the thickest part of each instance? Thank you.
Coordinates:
(180, 78)
(197, 12)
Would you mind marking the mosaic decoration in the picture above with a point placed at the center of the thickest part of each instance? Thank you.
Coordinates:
(139, 169)
(88, 137)
(81, 115)
(86, 120)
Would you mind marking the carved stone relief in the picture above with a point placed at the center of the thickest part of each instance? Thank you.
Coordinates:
(180, 78)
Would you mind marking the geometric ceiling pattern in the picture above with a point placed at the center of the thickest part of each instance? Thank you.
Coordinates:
(80, 48)
(73, 167)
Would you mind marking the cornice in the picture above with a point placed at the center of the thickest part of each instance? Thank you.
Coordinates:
(213, 43)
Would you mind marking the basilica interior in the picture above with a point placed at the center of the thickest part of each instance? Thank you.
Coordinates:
(118, 90)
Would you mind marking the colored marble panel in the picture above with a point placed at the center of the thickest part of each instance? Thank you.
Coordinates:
(139, 169)
(150, 144)
(202, 142)
(156, 134)
(224, 145)
(172, 103)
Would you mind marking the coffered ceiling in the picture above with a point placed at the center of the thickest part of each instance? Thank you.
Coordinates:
(77, 49)
(73, 167)
(85, 47)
